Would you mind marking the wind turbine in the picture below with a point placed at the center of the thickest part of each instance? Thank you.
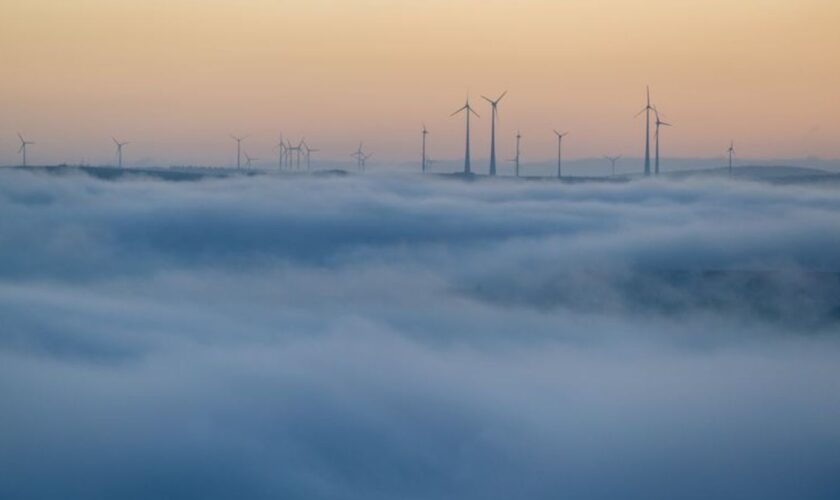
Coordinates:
(494, 118)
(298, 150)
(308, 153)
(659, 123)
(647, 109)
(365, 158)
(119, 151)
(290, 149)
(731, 154)
(560, 152)
(468, 109)
(281, 148)
(613, 160)
(238, 149)
(249, 161)
(515, 159)
(23, 144)
(359, 155)
(423, 158)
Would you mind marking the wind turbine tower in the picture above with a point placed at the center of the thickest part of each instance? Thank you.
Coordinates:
(423, 158)
(365, 158)
(281, 155)
(23, 146)
(119, 151)
(359, 155)
(659, 123)
(560, 152)
(613, 160)
(468, 110)
(249, 161)
(308, 153)
(517, 157)
(493, 119)
(238, 149)
(731, 155)
(647, 109)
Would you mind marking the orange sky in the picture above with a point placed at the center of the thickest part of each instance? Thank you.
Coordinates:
(176, 77)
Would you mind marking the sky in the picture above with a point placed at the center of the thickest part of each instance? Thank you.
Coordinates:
(176, 77)
(349, 338)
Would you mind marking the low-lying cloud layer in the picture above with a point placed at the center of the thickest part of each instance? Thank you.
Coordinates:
(406, 337)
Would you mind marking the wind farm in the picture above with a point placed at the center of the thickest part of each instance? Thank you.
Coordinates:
(297, 158)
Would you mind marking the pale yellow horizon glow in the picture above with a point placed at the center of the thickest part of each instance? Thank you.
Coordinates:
(176, 77)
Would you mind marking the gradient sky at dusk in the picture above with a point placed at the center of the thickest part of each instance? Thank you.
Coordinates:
(176, 77)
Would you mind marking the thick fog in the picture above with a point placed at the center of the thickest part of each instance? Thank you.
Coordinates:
(382, 337)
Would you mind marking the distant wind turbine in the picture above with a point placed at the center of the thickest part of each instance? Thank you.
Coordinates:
(238, 149)
(23, 145)
(659, 123)
(281, 152)
(516, 158)
(249, 161)
(731, 155)
(613, 160)
(365, 159)
(308, 153)
(560, 152)
(647, 109)
(298, 151)
(423, 159)
(361, 157)
(119, 151)
(493, 119)
(467, 109)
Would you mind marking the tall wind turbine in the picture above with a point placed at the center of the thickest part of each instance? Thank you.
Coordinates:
(659, 123)
(238, 149)
(281, 152)
(365, 158)
(516, 158)
(467, 109)
(647, 109)
(119, 151)
(731, 154)
(358, 155)
(290, 150)
(298, 154)
(249, 161)
(423, 157)
(494, 118)
(23, 145)
(308, 153)
(613, 160)
(560, 152)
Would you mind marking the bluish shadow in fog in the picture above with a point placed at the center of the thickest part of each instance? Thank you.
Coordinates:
(389, 337)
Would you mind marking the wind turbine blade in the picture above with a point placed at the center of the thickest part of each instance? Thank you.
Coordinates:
(501, 97)
(455, 113)
(640, 112)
